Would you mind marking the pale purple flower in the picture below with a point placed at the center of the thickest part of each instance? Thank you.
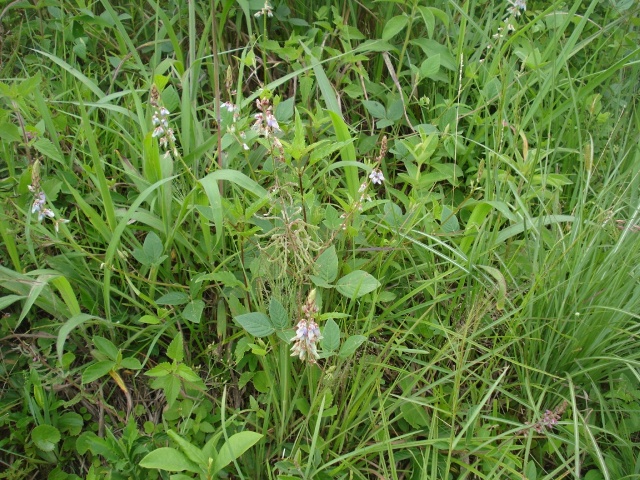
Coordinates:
(307, 336)
(376, 176)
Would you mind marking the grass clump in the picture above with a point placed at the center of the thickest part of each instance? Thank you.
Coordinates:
(319, 240)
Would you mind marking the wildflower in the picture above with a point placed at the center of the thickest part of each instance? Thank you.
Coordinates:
(307, 332)
(230, 107)
(160, 120)
(56, 223)
(265, 122)
(517, 7)
(550, 418)
(376, 176)
(266, 10)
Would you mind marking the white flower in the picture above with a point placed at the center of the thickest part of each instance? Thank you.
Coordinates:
(376, 176)
(230, 107)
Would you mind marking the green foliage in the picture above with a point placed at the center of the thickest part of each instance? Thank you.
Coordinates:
(203, 273)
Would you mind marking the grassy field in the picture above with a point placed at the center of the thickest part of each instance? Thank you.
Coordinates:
(320, 240)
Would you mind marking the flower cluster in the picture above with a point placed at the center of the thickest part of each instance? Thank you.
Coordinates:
(241, 136)
(40, 199)
(266, 125)
(265, 122)
(514, 10)
(266, 10)
(517, 7)
(376, 177)
(550, 418)
(160, 121)
(307, 332)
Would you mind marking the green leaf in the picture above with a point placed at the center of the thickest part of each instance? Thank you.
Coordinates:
(430, 67)
(326, 266)
(8, 300)
(48, 149)
(173, 298)
(186, 373)
(375, 109)
(168, 459)
(396, 110)
(331, 336)
(394, 26)
(449, 220)
(357, 284)
(193, 311)
(192, 452)
(350, 345)
(415, 415)
(153, 247)
(502, 284)
(161, 370)
(70, 422)
(45, 437)
(233, 448)
(97, 370)
(66, 329)
(131, 363)
(107, 347)
(256, 323)
(278, 314)
(170, 385)
(89, 441)
(175, 351)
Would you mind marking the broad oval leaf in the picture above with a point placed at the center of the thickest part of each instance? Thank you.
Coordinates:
(326, 266)
(193, 311)
(357, 284)
(45, 437)
(331, 336)
(96, 371)
(255, 323)
(169, 459)
(153, 247)
(278, 314)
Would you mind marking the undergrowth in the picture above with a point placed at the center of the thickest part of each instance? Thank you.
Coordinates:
(318, 240)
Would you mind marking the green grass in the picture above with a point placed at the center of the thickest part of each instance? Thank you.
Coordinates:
(479, 308)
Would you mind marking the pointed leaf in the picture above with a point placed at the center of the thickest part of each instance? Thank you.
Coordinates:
(96, 371)
(192, 452)
(394, 26)
(278, 314)
(175, 351)
(331, 336)
(169, 459)
(326, 265)
(193, 311)
(350, 345)
(153, 247)
(233, 448)
(256, 323)
(357, 284)
(173, 298)
(106, 346)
